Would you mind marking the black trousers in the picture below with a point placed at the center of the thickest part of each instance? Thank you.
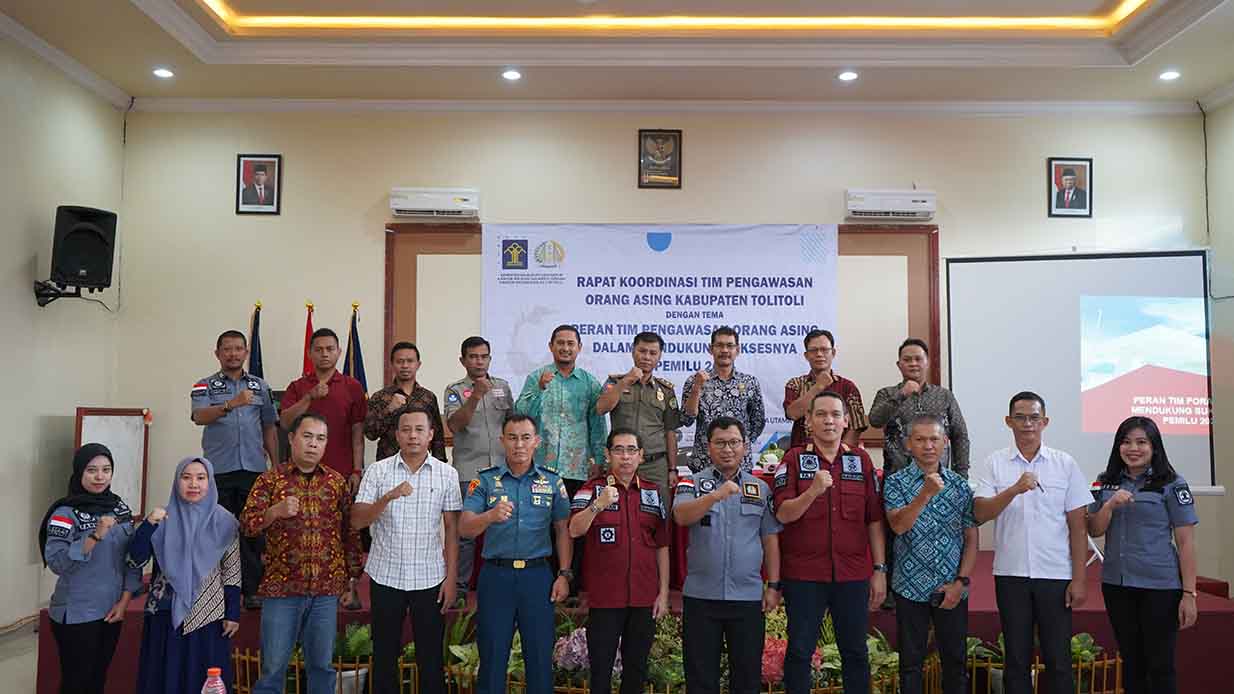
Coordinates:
(576, 562)
(636, 629)
(1145, 625)
(709, 624)
(85, 654)
(1024, 603)
(913, 620)
(428, 627)
(234, 488)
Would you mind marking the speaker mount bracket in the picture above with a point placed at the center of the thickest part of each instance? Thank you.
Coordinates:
(46, 292)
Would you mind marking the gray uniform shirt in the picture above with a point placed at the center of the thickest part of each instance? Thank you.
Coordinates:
(88, 584)
(1139, 544)
(478, 445)
(234, 441)
(725, 557)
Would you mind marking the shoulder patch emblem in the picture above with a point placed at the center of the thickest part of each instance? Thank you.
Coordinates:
(1183, 494)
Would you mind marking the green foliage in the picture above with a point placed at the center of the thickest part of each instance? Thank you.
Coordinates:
(665, 665)
(777, 624)
(355, 642)
(1084, 648)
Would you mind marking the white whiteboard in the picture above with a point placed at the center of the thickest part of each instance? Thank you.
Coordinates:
(124, 432)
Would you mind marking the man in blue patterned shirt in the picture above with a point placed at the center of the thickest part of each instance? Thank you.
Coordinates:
(722, 391)
(930, 509)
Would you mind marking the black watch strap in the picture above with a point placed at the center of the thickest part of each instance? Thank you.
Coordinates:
(776, 585)
(964, 580)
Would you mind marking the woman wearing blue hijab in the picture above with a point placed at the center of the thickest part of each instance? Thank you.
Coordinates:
(194, 604)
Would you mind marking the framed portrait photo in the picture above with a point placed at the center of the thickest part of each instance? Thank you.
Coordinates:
(1070, 186)
(659, 158)
(259, 183)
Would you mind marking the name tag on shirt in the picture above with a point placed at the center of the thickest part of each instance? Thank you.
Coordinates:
(851, 469)
(750, 494)
(541, 488)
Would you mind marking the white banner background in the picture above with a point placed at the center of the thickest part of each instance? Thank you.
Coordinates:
(772, 283)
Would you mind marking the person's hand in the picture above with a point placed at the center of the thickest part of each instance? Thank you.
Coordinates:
(1120, 498)
(105, 524)
(822, 482)
(561, 590)
(909, 388)
(480, 387)
(319, 391)
(771, 599)
(289, 507)
(672, 482)
(447, 594)
(726, 490)
(546, 377)
(501, 512)
(244, 398)
(396, 403)
(660, 607)
(878, 589)
(700, 377)
(230, 628)
(353, 483)
(116, 614)
(632, 376)
(1186, 612)
(823, 383)
(953, 593)
(402, 490)
(933, 484)
(1027, 482)
(607, 498)
(1076, 594)
(156, 516)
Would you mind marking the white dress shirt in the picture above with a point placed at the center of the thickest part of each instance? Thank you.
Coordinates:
(407, 551)
(1031, 539)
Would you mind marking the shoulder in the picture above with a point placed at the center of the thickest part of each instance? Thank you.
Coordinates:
(647, 484)
(843, 385)
(744, 377)
(353, 383)
(297, 385)
(997, 458)
(1061, 458)
(796, 383)
(613, 378)
(332, 476)
(258, 380)
(458, 385)
(664, 383)
(497, 381)
(859, 453)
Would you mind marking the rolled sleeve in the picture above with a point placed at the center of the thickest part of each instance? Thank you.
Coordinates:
(454, 497)
(1079, 494)
(770, 525)
(874, 502)
(684, 492)
(895, 492)
(790, 395)
(255, 508)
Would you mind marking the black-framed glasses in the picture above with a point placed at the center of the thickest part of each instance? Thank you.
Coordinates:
(1027, 418)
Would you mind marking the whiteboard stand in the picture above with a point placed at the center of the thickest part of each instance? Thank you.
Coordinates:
(124, 431)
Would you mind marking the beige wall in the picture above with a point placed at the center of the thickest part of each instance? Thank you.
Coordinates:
(1221, 189)
(61, 145)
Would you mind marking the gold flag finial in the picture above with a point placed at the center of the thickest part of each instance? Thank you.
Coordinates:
(355, 305)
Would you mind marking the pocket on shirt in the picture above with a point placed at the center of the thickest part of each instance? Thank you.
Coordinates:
(852, 503)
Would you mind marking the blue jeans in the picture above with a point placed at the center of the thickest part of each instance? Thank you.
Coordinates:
(806, 602)
(313, 621)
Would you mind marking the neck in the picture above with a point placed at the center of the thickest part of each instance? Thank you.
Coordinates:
(564, 368)
(518, 469)
(816, 373)
(827, 449)
(723, 371)
(1136, 471)
(729, 473)
(324, 375)
(414, 460)
(304, 467)
(1029, 449)
(927, 468)
(625, 480)
(473, 378)
(406, 386)
(233, 374)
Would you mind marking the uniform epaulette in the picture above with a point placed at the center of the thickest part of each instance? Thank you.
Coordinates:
(664, 382)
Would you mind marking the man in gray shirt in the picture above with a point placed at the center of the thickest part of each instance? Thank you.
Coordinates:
(236, 411)
(475, 407)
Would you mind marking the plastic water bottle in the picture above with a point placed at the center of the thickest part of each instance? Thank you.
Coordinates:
(214, 682)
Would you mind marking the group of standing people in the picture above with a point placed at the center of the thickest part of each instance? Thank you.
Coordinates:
(564, 503)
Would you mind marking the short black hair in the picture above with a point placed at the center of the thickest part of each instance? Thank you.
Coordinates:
(1025, 395)
(914, 342)
(829, 394)
(416, 410)
(817, 333)
(259, 168)
(404, 345)
(515, 418)
(647, 336)
(324, 332)
(623, 431)
(473, 342)
(578, 338)
(230, 334)
(724, 330)
(295, 423)
(926, 418)
(725, 423)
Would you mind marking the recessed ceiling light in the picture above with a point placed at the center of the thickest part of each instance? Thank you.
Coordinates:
(163, 73)
(512, 75)
(847, 76)
(1170, 75)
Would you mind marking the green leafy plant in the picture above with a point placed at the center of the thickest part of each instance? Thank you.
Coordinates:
(1084, 648)
(665, 664)
(355, 642)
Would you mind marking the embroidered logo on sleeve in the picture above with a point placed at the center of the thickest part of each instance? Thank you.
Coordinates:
(59, 526)
(1183, 494)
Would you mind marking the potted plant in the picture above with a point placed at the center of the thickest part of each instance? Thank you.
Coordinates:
(1084, 652)
(353, 652)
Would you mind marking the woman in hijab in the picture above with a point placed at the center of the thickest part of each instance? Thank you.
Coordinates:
(83, 539)
(194, 604)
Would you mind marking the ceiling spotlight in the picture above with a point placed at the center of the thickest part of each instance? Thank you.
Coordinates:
(163, 73)
(1170, 75)
(847, 76)
(512, 75)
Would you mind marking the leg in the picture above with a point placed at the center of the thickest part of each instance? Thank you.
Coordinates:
(1053, 619)
(389, 606)
(1124, 615)
(1015, 611)
(912, 634)
(951, 634)
(75, 642)
(701, 640)
(744, 631)
(576, 561)
(280, 629)
(640, 631)
(535, 626)
(466, 553)
(604, 628)
(108, 638)
(1160, 609)
(428, 626)
(320, 627)
(848, 603)
(494, 627)
(804, 606)
(233, 489)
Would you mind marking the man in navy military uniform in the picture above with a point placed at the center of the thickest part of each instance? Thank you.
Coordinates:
(236, 411)
(515, 503)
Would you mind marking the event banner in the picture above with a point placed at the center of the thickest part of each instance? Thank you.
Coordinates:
(771, 283)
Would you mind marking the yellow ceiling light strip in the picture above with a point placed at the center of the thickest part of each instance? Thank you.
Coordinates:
(677, 23)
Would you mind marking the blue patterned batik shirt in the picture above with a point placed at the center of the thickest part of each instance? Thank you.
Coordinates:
(928, 555)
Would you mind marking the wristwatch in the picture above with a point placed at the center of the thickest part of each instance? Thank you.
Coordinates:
(95, 537)
(882, 568)
(776, 585)
(566, 574)
(964, 580)
(227, 407)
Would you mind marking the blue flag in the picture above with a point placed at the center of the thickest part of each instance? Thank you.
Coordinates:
(255, 367)
(353, 362)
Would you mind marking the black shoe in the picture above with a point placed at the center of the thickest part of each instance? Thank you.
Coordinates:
(252, 602)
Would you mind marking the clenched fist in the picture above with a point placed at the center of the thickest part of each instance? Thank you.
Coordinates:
(633, 376)
(289, 507)
(1121, 498)
(726, 490)
(933, 484)
(319, 391)
(1027, 482)
(106, 523)
(502, 511)
(244, 398)
(545, 378)
(156, 516)
(700, 377)
(822, 481)
(607, 497)
(909, 388)
(403, 489)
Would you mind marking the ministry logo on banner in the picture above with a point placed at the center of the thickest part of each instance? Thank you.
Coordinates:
(514, 254)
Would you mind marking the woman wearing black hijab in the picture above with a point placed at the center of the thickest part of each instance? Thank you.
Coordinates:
(83, 539)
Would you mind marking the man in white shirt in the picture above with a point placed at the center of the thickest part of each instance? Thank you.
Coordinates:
(1037, 495)
(407, 498)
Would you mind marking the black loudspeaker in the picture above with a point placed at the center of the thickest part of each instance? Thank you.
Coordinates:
(84, 246)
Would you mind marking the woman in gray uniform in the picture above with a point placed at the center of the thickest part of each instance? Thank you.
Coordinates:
(83, 538)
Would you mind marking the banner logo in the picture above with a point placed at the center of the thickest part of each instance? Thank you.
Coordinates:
(514, 254)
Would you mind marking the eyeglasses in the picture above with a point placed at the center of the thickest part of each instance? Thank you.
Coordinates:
(1033, 419)
(625, 450)
(727, 445)
(819, 350)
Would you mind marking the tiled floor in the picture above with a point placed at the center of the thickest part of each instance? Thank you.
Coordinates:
(18, 662)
